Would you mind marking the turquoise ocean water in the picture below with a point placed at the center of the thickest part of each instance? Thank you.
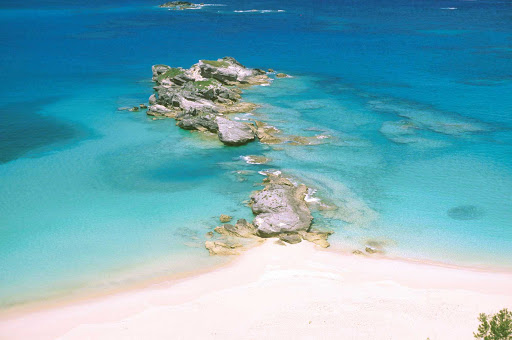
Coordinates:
(416, 96)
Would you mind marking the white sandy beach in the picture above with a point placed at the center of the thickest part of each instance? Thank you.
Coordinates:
(284, 292)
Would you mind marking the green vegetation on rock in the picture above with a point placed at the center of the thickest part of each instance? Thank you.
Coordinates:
(173, 72)
(201, 84)
(495, 327)
(216, 63)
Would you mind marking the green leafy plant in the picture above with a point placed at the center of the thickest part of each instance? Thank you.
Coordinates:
(495, 327)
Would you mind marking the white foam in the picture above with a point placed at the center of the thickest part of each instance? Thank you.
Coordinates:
(269, 172)
(260, 11)
(309, 198)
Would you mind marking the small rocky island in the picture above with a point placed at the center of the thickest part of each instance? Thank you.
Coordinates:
(180, 5)
(280, 210)
(199, 98)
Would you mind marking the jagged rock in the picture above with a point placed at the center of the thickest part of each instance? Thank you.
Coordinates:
(266, 133)
(159, 70)
(209, 234)
(195, 97)
(198, 123)
(160, 110)
(242, 228)
(371, 250)
(237, 107)
(271, 70)
(225, 218)
(280, 207)
(317, 237)
(357, 252)
(152, 99)
(290, 238)
(234, 133)
(282, 75)
(134, 109)
(143, 106)
(223, 248)
(229, 71)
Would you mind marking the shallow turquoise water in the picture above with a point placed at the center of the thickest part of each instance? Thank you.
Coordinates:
(415, 98)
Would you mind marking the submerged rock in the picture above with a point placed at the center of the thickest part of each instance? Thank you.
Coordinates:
(466, 212)
(225, 218)
(234, 133)
(280, 207)
(223, 248)
(256, 159)
(372, 250)
(267, 134)
(282, 75)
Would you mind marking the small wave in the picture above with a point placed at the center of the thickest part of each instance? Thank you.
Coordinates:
(449, 8)
(260, 11)
(309, 198)
(269, 172)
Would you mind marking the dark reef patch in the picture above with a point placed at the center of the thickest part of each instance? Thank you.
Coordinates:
(466, 212)
(26, 133)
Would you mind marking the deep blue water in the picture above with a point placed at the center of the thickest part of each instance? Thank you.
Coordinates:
(415, 94)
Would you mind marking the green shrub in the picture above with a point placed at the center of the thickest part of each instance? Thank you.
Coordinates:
(495, 327)
(216, 63)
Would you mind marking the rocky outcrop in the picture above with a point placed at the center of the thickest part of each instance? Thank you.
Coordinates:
(234, 133)
(317, 237)
(242, 228)
(179, 5)
(160, 110)
(281, 211)
(230, 72)
(199, 97)
(280, 207)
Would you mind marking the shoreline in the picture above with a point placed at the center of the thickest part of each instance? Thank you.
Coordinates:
(81, 296)
(289, 254)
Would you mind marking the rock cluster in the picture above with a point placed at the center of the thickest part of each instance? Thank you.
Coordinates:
(199, 97)
(179, 5)
(280, 207)
(281, 212)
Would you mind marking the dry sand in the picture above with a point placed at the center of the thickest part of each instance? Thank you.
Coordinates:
(285, 292)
